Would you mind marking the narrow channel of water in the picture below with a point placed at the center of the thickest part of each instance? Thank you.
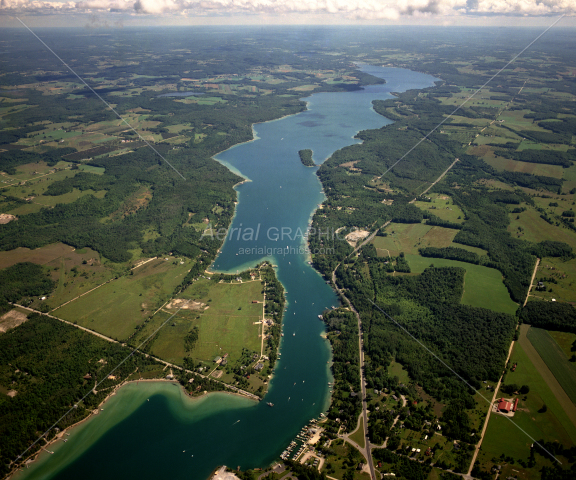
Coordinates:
(170, 436)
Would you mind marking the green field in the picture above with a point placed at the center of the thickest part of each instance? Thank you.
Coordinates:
(443, 207)
(483, 286)
(552, 354)
(358, 435)
(226, 326)
(503, 437)
(397, 370)
(118, 307)
(409, 237)
(535, 229)
(565, 340)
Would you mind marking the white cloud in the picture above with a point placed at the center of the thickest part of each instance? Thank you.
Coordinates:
(361, 9)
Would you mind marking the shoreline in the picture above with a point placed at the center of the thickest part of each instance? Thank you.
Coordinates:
(68, 430)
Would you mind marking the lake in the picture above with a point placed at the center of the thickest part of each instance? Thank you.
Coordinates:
(153, 430)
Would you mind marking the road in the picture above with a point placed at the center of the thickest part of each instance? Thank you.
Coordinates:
(177, 367)
(367, 453)
(488, 415)
(437, 180)
(531, 281)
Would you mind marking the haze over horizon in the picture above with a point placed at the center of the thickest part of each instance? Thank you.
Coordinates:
(119, 13)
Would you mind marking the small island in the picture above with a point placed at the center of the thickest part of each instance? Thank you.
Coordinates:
(306, 158)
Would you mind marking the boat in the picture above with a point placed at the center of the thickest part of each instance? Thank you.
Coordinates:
(320, 317)
(293, 334)
(270, 404)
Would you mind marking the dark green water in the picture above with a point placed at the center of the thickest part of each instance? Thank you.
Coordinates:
(137, 438)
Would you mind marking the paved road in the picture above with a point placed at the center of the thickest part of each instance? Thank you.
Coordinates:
(367, 453)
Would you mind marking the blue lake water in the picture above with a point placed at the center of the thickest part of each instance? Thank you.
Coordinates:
(137, 438)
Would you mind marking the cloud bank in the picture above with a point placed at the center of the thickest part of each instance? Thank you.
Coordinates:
(358, 9)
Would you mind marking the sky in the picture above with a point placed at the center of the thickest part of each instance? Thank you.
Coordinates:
(119, 13)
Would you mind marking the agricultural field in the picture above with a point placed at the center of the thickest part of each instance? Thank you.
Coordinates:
(565, 341)
(76, 273)
(507, 164)
(41, 256)
(443, 207)
(528, 225)
(563, 370)
(118, 307)
(477, 250)
(483, 286)
(503, 439)
(409, 237)
(224, 314)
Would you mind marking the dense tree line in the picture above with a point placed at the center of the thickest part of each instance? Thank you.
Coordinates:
(24, 280)
(306, 158)
(342, 328)
(403, 466)
(452, 253)
(550, 316)
(274, 307)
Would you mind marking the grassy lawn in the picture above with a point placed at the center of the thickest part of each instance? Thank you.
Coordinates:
(358, 435)
(556, 361)
(483, 286)
(117, 308)
(502, 437)
(408, 238)
(397, 370)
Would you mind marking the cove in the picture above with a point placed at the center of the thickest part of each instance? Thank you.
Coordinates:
(152, 432)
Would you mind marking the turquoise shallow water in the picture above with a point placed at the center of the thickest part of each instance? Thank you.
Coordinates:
(137, 438)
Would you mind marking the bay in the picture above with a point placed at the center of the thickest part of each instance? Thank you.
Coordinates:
(134, 437)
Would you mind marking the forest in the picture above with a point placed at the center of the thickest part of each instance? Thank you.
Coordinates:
(342, 328)
(550, 316)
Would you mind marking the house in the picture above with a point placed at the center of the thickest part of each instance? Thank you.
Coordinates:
(259, 366)
(218, 360)
(515, 405)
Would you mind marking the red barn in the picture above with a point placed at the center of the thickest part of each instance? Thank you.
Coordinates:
(504, 406)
